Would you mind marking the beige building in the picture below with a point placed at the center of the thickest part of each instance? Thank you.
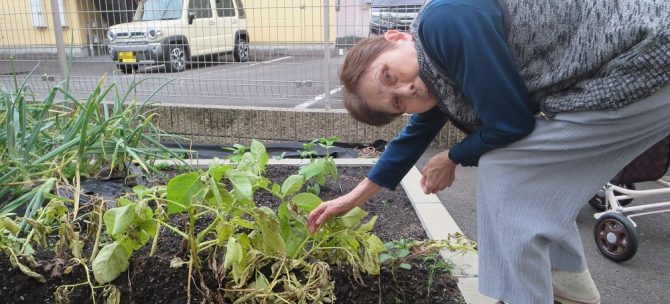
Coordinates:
(26, 26)
(302, 21)
(287, 21)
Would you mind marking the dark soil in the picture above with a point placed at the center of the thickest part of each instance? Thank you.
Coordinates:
(152, 280)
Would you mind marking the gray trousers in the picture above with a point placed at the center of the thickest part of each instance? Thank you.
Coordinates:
(530, 192)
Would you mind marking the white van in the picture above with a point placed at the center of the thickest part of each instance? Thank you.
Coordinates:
(171, 32)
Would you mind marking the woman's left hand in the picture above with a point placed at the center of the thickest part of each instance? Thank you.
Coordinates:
(438, 173)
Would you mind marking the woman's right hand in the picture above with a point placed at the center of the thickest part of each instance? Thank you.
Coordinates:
(356, 198)
(328, 209)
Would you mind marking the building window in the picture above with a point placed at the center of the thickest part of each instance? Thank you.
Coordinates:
(38, 13)
(63, 13)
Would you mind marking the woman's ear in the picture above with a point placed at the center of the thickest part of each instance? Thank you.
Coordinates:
(395, 36)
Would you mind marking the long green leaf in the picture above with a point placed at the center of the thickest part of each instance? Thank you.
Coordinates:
(234, 257)
(241, 184)
(374, 246)
(40, 122)
(117, 220)
(353, 217)
(267, 223)
(37, 200)
(292, 184)
(306, 201)
(181, 191)
(293, 231)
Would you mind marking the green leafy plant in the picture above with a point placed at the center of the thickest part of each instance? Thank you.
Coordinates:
(131, 226)
(396, 254)
(399, 254)
(435, 264)
(308, 150)
(318, 169)
(255, 240)
(71, 140)
(236, 151)
(47, 147)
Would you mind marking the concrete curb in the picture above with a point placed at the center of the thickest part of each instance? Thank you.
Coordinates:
(239, 125)
(436, 220)
(203, 163)
(438, 224)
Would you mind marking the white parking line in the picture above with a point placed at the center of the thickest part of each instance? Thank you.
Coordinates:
(250, 65)
(316, 99)
(269, 61)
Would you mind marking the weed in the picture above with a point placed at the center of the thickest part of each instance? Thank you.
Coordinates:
(436, 264)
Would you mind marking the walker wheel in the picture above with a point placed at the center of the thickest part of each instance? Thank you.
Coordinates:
(616, 237)
(598, 200)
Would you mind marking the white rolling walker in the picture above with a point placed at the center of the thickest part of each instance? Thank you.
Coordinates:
(615, 231)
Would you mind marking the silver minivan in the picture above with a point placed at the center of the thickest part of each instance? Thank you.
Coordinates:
(393, 14)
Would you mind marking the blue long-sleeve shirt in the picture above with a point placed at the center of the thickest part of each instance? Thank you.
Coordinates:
(465, 38)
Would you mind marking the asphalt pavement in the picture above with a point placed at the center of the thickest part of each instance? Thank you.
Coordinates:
(273, 77)
(644, 279)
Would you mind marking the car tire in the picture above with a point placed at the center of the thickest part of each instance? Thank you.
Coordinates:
(176, 57)
(127, 68)
(241, 50)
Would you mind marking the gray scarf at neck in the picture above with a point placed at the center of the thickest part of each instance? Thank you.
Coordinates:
(450, 99)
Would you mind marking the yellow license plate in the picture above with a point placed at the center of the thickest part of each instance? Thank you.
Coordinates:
(127, 57)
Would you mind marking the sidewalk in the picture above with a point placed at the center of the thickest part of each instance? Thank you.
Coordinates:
(643, 279)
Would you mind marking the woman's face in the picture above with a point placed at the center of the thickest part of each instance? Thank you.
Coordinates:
(392, 84)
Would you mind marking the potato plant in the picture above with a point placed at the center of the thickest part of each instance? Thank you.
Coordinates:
(319, 168)
(258, 250)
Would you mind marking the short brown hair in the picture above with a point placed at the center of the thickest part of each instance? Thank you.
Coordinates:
(355, 64)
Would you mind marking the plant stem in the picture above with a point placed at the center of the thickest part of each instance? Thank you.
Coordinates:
(206, 245)
(318, 246)
(204, 207)
(274, 280)
(88, 279)
(28, 238)
(30, 182)
(30, 235)
(379, 285)
(202, 234)
(77, 179)
(193, 244)
(188, 278)
(96, 244)
(154, 244)
(175, 230)
(431, 273)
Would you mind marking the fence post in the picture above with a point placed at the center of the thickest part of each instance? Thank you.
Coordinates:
(58, 32)
(326, 54)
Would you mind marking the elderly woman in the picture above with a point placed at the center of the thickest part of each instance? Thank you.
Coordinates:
(555, 98)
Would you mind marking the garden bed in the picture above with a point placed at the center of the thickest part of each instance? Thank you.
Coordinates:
(151, 279)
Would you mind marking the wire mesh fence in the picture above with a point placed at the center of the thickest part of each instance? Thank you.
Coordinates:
(279, 53)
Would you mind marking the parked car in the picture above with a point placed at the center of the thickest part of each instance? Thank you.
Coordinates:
(393, 14)
(171, 32)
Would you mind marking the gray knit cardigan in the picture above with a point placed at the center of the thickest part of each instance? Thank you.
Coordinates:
(574, 55)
